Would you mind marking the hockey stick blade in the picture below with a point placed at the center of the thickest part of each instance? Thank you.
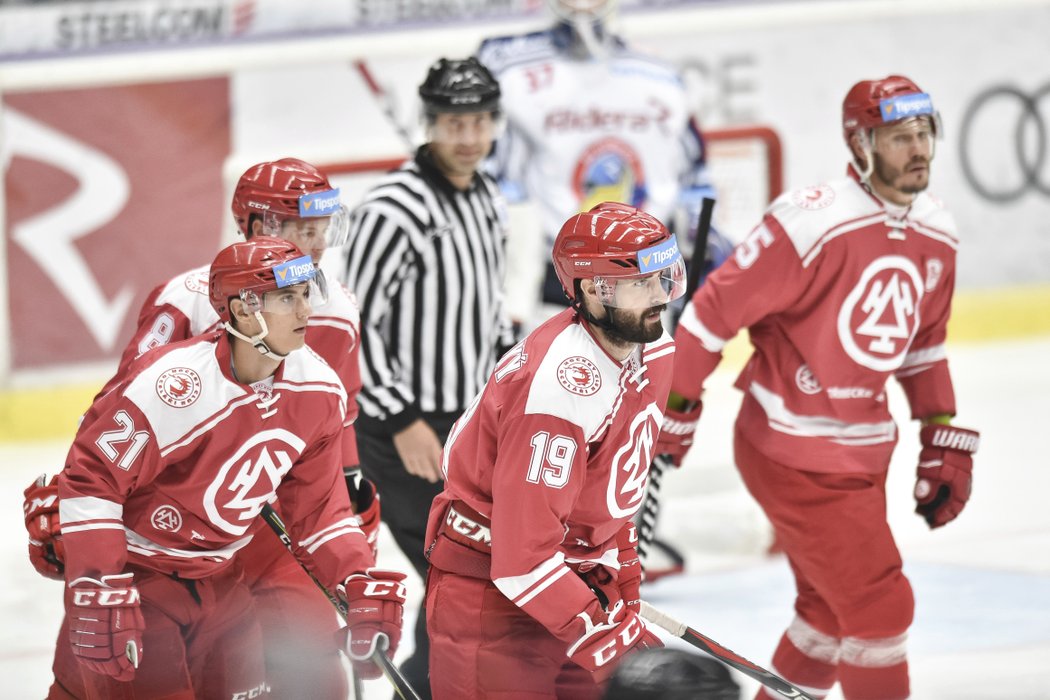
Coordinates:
(726, 656)
(401, 685)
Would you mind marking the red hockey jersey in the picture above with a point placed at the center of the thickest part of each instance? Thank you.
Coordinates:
(180, 309)
(554, 455)
(839, 291)
(169, 470)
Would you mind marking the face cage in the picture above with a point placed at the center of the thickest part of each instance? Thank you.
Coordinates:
(643, 291)
(335, 233)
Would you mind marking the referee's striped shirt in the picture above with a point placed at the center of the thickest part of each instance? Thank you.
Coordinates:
(426, 262)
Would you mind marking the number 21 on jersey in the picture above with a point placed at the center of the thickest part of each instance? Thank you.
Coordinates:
(551, 460)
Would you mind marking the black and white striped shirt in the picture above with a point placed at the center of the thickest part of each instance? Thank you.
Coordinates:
(426, 261)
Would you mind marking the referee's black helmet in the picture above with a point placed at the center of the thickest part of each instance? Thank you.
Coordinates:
(459, 86)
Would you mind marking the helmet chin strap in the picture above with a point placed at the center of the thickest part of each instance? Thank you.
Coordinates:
(587, 29)
(605, 324)
(257, 341)
(867, 145)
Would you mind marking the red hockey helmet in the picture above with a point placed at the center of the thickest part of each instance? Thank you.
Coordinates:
(874, 103)
(288, 189)
(613, 242)
(248, 269)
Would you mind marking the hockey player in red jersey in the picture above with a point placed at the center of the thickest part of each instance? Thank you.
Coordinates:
(841, 286)
(290, 199)
(533, 583)
(167, 474)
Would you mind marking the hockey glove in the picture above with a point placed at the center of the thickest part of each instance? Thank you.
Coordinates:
(365, 502)
(944, 472)
(604, 644)
(45, 537)
(106, 624)
(375, 601)
(676, 435)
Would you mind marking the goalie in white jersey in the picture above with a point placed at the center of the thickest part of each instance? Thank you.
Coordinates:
(588, 120)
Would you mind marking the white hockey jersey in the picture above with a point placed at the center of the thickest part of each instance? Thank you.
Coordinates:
(580, 132)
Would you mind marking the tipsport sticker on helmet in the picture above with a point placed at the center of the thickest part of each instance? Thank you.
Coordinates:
(319, 203)
(658, 257)
(904, 106)
(294, 272)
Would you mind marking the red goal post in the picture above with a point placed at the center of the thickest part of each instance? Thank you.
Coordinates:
(745, 162)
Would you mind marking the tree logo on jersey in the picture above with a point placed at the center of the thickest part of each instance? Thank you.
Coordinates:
(248, 480)
(579, 376)
(166, 518)
(630, 464)
(806, 381)
(197, 283)
(880, 316)
(179, 387)
(609, 170)
(812, 198)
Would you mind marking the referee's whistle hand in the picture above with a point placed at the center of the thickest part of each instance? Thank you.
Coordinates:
(420, 450)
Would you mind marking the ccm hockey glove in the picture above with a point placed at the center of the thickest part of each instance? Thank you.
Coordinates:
(375, 601)
(944, 472)
(676, 435)
(45, 537)
(106, 624)
(604, 644)
(365, 502)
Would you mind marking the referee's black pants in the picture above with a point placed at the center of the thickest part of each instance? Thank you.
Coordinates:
(405, 507)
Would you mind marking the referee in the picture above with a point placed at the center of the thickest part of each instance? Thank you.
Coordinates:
(426, 261)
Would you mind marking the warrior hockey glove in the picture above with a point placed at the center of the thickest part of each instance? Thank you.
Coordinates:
(944, 472)
(676, 435)
(604, 644)
(106, 624)
(45, 537)
(375, 601)
(365, 502)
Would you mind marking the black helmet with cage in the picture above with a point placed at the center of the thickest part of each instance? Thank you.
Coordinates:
(458, 86)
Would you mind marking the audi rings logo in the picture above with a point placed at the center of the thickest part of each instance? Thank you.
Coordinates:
(995, 169)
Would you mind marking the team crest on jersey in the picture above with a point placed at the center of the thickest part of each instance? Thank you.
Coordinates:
(166, 518)
(579, 376)
(197, 283)
(880, 315)
(248, 480)
(806, 381)
(630, 464)
(179, 387)
(812, 198)
(609, 170)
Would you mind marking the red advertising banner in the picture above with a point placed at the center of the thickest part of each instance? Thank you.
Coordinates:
(109, 191)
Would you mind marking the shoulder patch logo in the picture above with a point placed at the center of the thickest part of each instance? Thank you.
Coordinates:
(197, 283)
(179, 387)
(579, 376)
(166, 518)
(813, 198)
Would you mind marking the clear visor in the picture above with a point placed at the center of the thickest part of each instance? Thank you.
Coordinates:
(311, 234)
(906, 134)
(467, 128)
(289, 300)
(643, 291)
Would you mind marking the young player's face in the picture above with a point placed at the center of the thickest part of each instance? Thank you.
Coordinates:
(902, 155)
(286, 312)
(459, 142)
(308, 235)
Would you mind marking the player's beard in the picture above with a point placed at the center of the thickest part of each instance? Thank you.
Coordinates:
(893, 177)
(635, 326)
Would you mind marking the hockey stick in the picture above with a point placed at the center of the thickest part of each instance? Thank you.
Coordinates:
(726, 656)
(386, 103)
(401, 685)
(660, 465)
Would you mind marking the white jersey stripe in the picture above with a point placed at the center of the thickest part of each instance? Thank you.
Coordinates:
(785, 421)
(87, 508)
